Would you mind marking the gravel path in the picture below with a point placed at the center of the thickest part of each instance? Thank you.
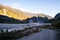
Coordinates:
(45, 34)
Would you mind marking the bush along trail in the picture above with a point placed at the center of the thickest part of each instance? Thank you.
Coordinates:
(12, 35)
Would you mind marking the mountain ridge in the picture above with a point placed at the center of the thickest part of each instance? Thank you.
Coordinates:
(18, 14)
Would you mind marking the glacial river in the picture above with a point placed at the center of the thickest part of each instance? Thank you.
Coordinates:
(45, 34)
(20, 26)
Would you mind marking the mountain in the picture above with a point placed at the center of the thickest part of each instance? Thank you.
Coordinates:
(5, 19)
(37, 15)
(37, 19)
(57, 16)
(12, 13)
(56, 21)
(18, 14)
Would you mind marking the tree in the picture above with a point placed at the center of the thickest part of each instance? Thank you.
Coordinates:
(56, 24)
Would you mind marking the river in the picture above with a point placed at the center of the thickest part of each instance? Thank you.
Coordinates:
(45, 34)
(20, 26)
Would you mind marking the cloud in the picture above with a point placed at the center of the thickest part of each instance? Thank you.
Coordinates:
(19, 6)
(15, 5)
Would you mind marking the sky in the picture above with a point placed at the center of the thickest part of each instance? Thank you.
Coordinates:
(48, 7)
